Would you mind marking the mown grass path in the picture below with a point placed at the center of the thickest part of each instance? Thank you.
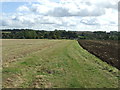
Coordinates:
(54, 64)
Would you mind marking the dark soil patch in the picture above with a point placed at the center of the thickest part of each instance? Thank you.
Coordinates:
(103, 49)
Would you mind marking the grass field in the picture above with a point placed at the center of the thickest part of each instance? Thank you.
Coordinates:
(54, 64)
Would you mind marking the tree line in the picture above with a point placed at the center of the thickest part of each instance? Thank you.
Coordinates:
(58, 34)
(36, 34)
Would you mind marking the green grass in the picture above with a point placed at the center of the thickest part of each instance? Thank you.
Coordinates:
(61, 64)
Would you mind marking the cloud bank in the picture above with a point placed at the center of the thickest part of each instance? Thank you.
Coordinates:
(78, 15)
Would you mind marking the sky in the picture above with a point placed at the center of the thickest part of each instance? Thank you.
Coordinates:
(73, 15)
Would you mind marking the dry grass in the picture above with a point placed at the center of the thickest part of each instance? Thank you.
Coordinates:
(53, 63)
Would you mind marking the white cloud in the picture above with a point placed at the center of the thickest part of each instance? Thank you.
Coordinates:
(41, 9)
(65, 14)
(106, 3)
(90, 21)
(64, 9)
(22, 8)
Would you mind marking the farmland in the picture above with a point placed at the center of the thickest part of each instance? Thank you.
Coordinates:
(36, 63)
(107, 50)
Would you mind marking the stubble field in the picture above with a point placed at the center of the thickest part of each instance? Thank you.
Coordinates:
(29, 63)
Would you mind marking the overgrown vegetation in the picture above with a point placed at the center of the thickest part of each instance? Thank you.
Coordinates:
(59, 34)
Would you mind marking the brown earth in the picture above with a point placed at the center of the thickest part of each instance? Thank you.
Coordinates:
(103, 49)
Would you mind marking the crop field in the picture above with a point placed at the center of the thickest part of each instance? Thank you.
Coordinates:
(104, 49)
(36, 63)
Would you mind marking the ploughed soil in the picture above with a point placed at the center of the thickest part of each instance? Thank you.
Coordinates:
(106, 50)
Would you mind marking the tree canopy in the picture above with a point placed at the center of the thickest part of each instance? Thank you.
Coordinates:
(58, 34)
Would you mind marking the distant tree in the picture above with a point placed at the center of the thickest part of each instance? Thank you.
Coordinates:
(30, 34)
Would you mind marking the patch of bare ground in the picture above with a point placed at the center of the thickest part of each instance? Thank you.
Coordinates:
(41, 82)
(14, 81)
(103, 49)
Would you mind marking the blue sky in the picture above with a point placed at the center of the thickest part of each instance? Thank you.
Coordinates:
(10, 7)
(78, 15)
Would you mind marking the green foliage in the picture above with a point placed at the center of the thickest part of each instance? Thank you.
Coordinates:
(99, 35)
(59, 34)
(32, 34)
(29, 34)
